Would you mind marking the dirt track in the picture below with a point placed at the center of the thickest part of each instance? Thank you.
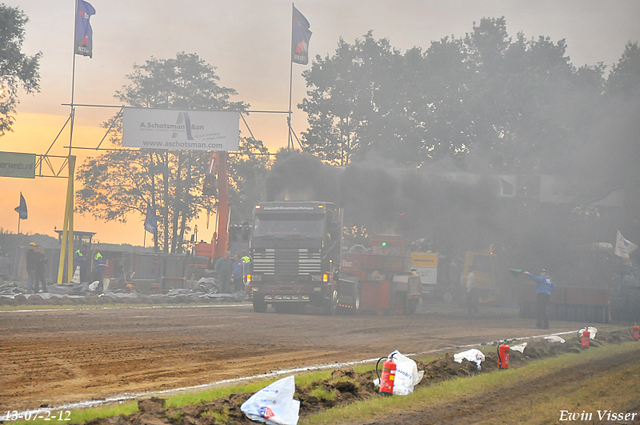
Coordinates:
(54, 357)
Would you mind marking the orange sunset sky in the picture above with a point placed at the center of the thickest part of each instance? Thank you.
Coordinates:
(248, 41)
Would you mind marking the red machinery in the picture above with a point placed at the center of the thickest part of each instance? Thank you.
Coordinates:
(384, 279)
(503, 356)
(635, 332)
(387, 379)
(216, 183)
(586, 338)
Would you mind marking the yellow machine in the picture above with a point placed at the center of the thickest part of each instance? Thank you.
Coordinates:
(425, 265)
(484, 268)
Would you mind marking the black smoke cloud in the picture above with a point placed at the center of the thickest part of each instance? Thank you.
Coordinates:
(302, 177)
(384, 199)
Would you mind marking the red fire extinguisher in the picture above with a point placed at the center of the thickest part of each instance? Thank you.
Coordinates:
(586, 337)
(388, 375)
(635, 332)
(503, 356)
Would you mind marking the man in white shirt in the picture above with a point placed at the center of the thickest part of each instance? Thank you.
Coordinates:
(472, 297)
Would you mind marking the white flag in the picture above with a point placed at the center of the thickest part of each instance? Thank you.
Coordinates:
(623, 246)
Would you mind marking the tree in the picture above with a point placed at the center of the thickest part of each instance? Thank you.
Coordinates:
(521, 95)
(247, 174)
(16, 69)
(624, 79)
(348, 104)
(122, 182)
(512, 105)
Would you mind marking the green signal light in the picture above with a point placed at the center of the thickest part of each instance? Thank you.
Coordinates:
(384, 244)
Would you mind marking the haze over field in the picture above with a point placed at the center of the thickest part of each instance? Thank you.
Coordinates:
(249, 43)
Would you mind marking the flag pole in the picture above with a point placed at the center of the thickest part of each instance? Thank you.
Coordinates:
(289, 138)
(67, 228)
(73, 77)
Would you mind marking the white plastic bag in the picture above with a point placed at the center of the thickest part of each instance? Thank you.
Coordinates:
(554, 338)
(76, 275)
(519, 347)
(274, 404)
(592, 332)
(407, 375)
(471, 355)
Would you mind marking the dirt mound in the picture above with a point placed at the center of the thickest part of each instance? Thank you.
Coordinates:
(346, 386)
(191, 297)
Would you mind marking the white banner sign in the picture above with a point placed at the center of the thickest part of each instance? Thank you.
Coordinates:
(181, 130)
(18, 165)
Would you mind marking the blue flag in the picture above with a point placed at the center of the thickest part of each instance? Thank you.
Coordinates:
(22, 209)
(84, 33)
(300, 38)
(150, 221)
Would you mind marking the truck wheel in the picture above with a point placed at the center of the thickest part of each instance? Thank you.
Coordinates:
(356, 302)
(330, 304)
(259, 306)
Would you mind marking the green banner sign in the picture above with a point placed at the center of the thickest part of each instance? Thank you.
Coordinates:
(18, 165)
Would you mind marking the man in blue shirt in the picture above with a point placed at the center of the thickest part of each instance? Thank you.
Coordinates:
(544, 288)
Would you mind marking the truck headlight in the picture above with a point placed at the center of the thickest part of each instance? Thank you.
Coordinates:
(325, 277)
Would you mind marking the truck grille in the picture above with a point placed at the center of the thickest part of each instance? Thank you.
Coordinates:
(287, 262)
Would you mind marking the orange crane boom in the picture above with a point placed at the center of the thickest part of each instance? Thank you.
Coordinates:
(218, 172)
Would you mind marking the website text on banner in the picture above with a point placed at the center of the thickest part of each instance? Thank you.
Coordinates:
(181, 130)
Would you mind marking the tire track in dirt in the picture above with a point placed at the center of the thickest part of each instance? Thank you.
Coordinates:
(56, 357)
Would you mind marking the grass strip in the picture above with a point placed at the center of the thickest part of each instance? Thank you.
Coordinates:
(446, 391)
(463, 387)
(83, 415)
(615, 392)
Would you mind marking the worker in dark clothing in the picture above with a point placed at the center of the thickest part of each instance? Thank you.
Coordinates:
(224, 267)
(544, 288)
(81, 259)
(41, 261)
(246, 264)
(32, 266)
(238, 279)
(98, 268)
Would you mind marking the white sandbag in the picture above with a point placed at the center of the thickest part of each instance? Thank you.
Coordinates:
(554, 338)
(94, 285)
(471, 355)
(274, 404)
(76, 276)
(407, 375)
(520, 347)
(592, 331)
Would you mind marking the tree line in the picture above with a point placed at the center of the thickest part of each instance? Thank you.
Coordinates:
(485, 102)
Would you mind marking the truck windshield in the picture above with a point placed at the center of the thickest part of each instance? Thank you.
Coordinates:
(283, 225)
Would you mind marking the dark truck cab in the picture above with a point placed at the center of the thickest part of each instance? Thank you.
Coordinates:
(295, 253)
